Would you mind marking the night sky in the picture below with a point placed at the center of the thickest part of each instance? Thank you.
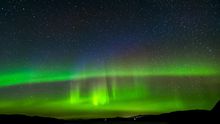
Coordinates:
(107, 58)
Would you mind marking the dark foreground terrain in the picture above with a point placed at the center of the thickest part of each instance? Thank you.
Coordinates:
(186, 117)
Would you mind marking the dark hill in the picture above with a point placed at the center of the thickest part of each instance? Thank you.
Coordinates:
(216, 108)
(191, 116)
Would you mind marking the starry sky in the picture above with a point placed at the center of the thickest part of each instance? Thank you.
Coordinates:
(108, 58)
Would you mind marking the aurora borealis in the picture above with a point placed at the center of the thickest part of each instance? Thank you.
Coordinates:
(108, 58)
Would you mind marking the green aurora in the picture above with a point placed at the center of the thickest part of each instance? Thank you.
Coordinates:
(108, 58)
(25, 76)
(112, 91)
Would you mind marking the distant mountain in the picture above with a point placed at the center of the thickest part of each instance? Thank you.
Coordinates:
(23, 119)
(216, 109)
(186, 117)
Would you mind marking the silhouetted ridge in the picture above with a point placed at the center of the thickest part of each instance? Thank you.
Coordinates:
(216, 108)
(178, 117)
(23, 119)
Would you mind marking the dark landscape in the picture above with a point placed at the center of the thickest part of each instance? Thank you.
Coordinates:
(190, 116)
